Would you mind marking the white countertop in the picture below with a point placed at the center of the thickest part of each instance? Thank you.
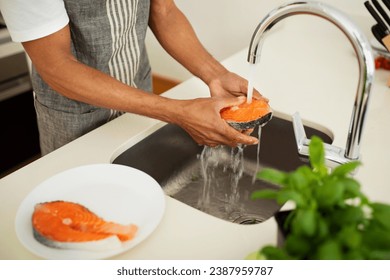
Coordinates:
(309, 68)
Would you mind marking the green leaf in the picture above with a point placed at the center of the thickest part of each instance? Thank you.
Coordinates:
(274, 253)
(351, 188)
(349, 215)
(350, 237)
(307, 172)
(329, 250)
(376, 238)
(301, 178)
(264, 194)
(272, 175)
(255, 256)
(317, 155)
(305, 222)
(297, 246)
(322, 228)
(379, 255)
(287, 195)
(345, 169)
(329, 194)
(381, 213)
(354, 255)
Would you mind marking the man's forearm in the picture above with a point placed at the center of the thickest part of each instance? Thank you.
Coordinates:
(62, 72)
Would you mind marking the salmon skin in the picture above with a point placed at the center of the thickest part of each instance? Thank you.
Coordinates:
(248, 115)
(69, 225)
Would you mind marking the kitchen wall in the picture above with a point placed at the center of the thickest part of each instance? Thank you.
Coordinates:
(226, 26)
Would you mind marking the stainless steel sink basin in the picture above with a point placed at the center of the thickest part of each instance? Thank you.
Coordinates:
(171, 157)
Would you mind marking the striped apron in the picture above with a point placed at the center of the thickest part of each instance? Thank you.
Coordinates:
(108, 35)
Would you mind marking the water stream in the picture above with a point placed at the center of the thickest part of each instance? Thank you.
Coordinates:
(251, 76)
(257, 157)
(219, 167)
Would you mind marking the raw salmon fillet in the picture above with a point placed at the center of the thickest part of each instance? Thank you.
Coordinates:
(69, 225)
(247, 115)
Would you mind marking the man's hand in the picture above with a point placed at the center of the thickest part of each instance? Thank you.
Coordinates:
(230, 84)
(206, 127)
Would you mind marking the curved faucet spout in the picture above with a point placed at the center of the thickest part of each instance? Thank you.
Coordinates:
(360, 45)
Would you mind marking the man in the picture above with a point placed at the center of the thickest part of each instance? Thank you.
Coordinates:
(90, 63)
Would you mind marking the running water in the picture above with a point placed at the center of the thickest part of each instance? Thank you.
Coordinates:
(237, 170)
(207, 163)
(216, 165)
(218, 168)
(257, 158)
(251, 75)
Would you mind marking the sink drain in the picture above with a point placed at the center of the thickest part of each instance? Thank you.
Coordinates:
(247, 220)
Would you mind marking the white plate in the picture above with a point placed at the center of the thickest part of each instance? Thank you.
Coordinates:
(114, 192)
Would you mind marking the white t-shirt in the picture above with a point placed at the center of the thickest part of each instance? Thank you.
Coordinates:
(32, 19)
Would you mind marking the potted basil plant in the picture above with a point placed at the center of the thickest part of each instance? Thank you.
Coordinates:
(331, 218)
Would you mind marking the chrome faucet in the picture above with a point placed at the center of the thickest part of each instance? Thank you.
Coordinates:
(365, 58)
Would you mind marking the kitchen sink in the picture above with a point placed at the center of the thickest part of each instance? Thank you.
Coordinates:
(218, 181)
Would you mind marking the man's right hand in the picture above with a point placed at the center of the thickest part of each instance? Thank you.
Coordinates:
(201, 119)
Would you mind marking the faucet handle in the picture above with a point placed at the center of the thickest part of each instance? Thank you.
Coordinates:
(333, 155)
(300, 135)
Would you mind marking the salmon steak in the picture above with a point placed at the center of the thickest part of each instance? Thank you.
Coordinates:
(69, 225)
(247, 115)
